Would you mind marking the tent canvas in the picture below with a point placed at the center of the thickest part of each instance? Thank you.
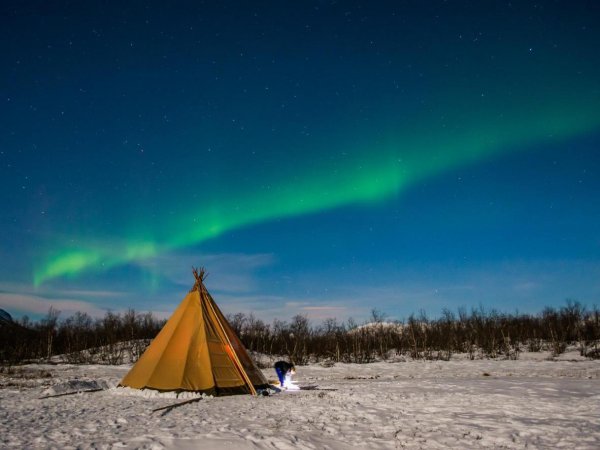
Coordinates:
(197, 350)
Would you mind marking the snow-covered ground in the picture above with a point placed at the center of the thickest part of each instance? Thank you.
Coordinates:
(531, 402)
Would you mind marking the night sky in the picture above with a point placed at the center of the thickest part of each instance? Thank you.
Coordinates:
(323, 158)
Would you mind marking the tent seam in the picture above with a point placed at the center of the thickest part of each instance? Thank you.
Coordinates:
(187, 354)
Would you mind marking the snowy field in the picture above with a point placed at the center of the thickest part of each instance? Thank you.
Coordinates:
(531, 402)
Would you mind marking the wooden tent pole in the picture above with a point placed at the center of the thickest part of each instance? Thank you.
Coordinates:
(236, 361)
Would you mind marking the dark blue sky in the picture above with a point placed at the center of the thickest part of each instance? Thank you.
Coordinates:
(323, 159)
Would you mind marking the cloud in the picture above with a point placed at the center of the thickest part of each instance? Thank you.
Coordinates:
(525, 286)
(270, 307)
(507, 286)
(39, 305)
(239, 283)
(323, 308)
(34, 301)
(91, 293)
(227, 272)
(319, 313)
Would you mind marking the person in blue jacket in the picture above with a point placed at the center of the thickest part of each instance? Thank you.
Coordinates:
(284, 369)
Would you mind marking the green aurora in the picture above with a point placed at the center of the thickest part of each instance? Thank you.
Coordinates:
(368, 175)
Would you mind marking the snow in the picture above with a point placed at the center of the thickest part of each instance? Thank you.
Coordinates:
(532, 401)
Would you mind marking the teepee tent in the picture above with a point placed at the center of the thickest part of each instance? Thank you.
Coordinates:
(196, 350)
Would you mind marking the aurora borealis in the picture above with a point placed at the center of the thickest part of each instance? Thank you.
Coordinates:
(367, 182)
(139, 140)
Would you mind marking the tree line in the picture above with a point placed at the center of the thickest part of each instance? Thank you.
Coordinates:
(117, 338)
(476, 332)
(79, 338)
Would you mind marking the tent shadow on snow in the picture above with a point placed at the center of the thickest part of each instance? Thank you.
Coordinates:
(197, 350)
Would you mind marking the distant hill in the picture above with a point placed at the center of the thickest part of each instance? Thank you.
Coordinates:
(373, 327)
(7, 322)
(5, 318)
